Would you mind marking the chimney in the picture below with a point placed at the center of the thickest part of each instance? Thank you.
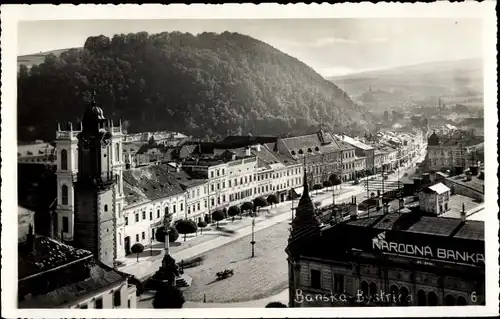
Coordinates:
(462, 214)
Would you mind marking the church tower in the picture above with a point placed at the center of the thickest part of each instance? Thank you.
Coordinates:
(67, 168)
(98, 187)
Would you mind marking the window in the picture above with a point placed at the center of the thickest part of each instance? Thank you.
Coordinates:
(315, 279)
(65, 223)
(229, 181)
(166, 210)
(212, 201)
(143, 215)
(212, 174)
(128, 303)
(150, 215)
(198, 206)
(98, 303)
(217, 172)
(175, 208)
(105, 208)
(223, 184)
(197, 192)
(182, 207)
(64, 195)
(339, 283)
(64, 160)
(205, 202)
(84, 306)
(212, 187)
(158, 213)
(143, 235)
(126, 220)
(117, 298)
(137, 238)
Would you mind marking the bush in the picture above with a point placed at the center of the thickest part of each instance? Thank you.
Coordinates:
(168, 297)
(217, 216)
(233, 211)
(186, 226)
(137, 248)
(272, 199)
(202, 224)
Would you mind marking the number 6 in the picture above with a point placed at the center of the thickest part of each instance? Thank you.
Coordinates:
(473, 297)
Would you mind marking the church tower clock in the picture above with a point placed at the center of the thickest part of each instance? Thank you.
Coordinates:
(95, 189)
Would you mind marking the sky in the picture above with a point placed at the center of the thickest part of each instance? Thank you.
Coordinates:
(332, 47)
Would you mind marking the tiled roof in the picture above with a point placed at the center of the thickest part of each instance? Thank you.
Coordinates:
(48, 254)
(150, 183)
(67, 284)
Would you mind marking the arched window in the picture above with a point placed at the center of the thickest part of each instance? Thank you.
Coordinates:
(421, 298)
(449, 300)
(309, 150)
(364, 288)
(105, 208)
(301, 152)
(64, 195)
(293, 153)
(373, 288)
(461, 301)
(64, 160)
(432, 299)
(166, 210)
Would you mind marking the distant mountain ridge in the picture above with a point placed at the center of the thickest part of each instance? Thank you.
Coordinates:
(451, 79)
(205, 85)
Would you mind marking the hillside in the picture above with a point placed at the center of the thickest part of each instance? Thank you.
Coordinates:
(36, 58)
(453, 81)
(209, 84)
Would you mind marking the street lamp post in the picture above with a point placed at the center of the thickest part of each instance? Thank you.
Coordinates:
(253, 238)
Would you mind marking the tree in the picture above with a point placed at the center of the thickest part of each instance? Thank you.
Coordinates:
(168, 297)
(137, 248)
(335, 179)
(327, 184)
(218, 215)
(276, 304)
(247, 206)
(202, 224)
(186, 226)
(260, 202)
(272, 199)
(208, 219)
(173, 234)
(233, 211)
(317, 187)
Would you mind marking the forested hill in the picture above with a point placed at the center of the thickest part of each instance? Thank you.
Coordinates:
(205, 85)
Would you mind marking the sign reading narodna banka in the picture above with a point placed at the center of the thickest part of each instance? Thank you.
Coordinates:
(426, 251)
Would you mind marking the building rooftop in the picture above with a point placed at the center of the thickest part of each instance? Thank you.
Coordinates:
(53, 274)
(354, 142)
(149, 183)
(475, 183)
(438, 188)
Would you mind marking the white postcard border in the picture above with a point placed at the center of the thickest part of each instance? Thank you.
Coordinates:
(11, 14)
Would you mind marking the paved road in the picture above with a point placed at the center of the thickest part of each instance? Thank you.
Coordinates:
(281, 213)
